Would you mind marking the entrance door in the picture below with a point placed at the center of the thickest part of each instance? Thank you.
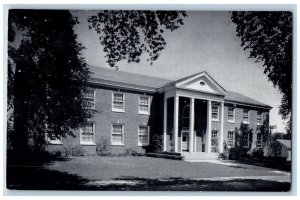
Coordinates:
(185, 140)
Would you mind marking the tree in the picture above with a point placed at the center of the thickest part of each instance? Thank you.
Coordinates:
(268, 37)
(126, 35)
(46, 77)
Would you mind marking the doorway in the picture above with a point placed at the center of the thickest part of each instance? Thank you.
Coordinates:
(185, 141)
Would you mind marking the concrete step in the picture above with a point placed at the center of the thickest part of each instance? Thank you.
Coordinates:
(200, 156)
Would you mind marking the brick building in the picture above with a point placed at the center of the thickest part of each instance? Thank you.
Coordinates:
(194, 115)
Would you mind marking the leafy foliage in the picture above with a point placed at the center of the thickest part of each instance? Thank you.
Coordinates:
(268, 37)
(46, 76)
(244, 131)
(126, 35)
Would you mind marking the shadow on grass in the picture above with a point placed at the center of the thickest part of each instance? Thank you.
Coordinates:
(39, 178)
(180, 184)
(273, 164)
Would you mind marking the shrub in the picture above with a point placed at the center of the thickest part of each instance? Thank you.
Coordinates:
(258, 153)
(156, 144)
(130, 152)
(73, 151)
(103, 147)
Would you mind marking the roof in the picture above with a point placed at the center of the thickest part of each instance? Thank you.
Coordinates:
(240, 98)
(194, 75)
(286, 143)
(127, 79)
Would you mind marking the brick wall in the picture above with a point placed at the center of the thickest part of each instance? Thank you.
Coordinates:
(230, 126)
(131, 119)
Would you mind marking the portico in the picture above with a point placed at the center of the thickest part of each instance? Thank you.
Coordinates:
(194, 115)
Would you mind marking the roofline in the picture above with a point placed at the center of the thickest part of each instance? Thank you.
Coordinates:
(248, 104)
(115, 84)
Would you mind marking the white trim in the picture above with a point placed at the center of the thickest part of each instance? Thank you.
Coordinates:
(94, 99)
(165, 123)
(198, 76)
(262, 118)
(112, 102)
(191, 128)
(148, 134)
(56, 141)
(52, 141)
(221, 138)
(123, 135)
(175, 126)
(231, 121)
(117, 85)
(149, 105)
(94, 131)
(188, 133)
(248, 141)
(246, 122)
(208, 139)
(233, 139)
(217, 139)
(213, 119)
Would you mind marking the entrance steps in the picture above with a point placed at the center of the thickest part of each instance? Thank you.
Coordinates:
(198, 156)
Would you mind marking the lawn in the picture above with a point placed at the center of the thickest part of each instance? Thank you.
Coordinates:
(140, 173)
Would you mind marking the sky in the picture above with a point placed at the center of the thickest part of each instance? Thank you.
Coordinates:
(206, 42)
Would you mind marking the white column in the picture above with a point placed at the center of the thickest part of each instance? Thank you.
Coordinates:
(165, 123)
(221, 141)
(209, 127)
(175, 126)
(192, 115)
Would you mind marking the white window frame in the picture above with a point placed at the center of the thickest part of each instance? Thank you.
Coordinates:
(149, 103)
(218, 116)
(261, 118)
(148, 135)
(112, 102)
(217, 139)
(233, 139)
(94, 131)
(94, 99)
(52, 141)
(246, 146)
(229, 120)
(248, 114)
(259, 141)
(123, 135)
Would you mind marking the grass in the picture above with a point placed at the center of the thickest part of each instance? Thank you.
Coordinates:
(152, 174)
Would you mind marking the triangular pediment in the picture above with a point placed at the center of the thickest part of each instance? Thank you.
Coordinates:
(201, 82)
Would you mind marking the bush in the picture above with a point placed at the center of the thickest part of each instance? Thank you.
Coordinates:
(103, 147)
(156, 144)
(75, 151)
(258, 153)
(130, 152)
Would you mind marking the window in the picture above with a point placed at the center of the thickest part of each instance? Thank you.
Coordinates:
(117, 135)
(89, 99)
(246, 116)
(258, 140)
(51, 138)
(245, 140)
(118, 102)
(231, 114)
(259, 118)
(144, 105)
(143, 136)
(230, 139)
(214, 141)
(215, 112)
(87, 134)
